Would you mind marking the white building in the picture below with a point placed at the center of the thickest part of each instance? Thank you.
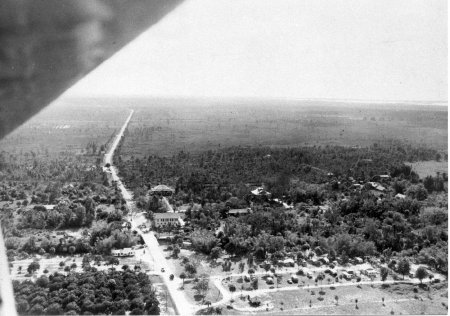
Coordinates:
(163, 219)
(125, 252)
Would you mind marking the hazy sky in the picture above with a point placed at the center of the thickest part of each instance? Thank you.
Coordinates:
(352, 49)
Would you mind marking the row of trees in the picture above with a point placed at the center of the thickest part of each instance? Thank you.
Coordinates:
(91, 292)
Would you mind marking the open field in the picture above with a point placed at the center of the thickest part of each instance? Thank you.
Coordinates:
(196, 125)
(429, 168)
(398, 298)
(66, 125)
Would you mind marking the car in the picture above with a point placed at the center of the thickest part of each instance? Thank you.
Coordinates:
(289, 281)
(163, 270)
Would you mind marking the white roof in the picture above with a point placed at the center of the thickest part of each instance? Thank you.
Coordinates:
(377, 186)
(260, 191)
(161, 187)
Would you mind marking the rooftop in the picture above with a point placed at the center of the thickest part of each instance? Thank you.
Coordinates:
(161, 187)
(168, 215)
(260, 191)
(239, 211)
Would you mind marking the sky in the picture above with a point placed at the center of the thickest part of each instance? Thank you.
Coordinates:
(290, 49)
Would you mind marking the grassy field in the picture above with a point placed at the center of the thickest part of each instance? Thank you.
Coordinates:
(67, 125)
(398, 299)
(429, 168)
(164, 127)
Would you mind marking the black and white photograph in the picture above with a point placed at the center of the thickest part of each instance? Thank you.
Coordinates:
(223, 157)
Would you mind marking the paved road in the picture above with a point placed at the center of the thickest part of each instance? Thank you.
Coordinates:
(109, 159)
(182, 306)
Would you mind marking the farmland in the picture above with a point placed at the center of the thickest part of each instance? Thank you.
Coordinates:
(66, 126)
(198, 125)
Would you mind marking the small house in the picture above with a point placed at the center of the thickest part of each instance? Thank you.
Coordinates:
(324, 260)
(289, 262)
(371, 273)
(358, 260)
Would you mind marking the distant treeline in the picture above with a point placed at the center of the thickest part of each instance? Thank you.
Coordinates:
(215, 169)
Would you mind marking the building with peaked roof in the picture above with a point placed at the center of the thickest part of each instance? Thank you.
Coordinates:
(162, 189)
(260, 192)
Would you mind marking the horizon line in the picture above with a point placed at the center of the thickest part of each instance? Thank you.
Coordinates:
(287, 99)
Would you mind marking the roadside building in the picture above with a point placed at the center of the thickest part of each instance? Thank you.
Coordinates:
(371, 273)
(162, 190)
(125, 252)
(164, 219)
